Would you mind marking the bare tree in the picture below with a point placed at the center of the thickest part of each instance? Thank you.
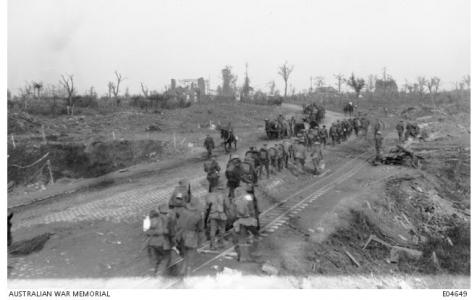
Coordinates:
(25, 93)
(421, 84)
(405, 86)
(111, 88)
(92, 93)
(68, 83)
(271, 85)
(116, 87)
(433, 85)
(340, 80)
(247, 88)
(370, 86)
(285, 70)
(357, 84)
(145, 90)
(466, 81)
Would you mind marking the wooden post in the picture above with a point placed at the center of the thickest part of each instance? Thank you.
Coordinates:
(44, 134)
(50, 172)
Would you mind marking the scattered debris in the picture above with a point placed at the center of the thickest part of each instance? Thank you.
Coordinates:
(269, 269)
(401, 156)
(396, 252)
(373, 237)
(352, 258)
(435, 260)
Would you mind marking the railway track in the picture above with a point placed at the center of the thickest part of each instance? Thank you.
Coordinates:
(279, 213)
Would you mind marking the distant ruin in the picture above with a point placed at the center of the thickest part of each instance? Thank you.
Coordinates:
(193, 89)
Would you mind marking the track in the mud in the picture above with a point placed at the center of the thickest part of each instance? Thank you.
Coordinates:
(279, 213)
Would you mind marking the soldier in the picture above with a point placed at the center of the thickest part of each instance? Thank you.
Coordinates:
(264, 157)
(161, 238)
(232, 173)
(377, 126)
(180, 196)
(252, 156)
(400, 129)
(292, 126)
(357, 125)
(216, 206)
(291, 148)
(300, 155)
(212, 168)
(272, 151)
(209, 144)
(316, 157)
(190, 233)
(332, 133)
(323, 135)
(245, 223)
(280, 119)
(339, 131)
(281, 157)
(378, 145)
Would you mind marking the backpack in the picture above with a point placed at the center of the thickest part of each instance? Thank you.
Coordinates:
(264, 155)
(242, 210)
(218, 204)
(207, 166)
(232, 169)
(159, 225)
(247, 172)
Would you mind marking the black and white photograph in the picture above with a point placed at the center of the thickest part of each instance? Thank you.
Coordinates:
(267, 144)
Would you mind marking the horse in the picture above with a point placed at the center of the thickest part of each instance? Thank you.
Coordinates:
(274, 129)
(348, 109)
(228, 139)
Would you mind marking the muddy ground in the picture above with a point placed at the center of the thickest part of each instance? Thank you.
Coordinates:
(97, 233)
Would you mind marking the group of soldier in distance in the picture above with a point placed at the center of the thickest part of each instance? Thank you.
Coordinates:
(182, 224)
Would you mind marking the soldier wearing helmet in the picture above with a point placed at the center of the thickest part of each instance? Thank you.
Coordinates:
(209, 144)
(217, 204)
(316, 157)
(244, 225)
(190, 233)
(161, 238)
(180, 196)
(212, 168)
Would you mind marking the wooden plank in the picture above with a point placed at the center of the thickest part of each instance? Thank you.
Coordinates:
(352, 258)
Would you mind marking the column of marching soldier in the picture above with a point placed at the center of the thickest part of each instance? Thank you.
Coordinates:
(182, 224)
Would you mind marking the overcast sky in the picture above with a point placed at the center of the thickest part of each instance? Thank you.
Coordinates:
(153, 41)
